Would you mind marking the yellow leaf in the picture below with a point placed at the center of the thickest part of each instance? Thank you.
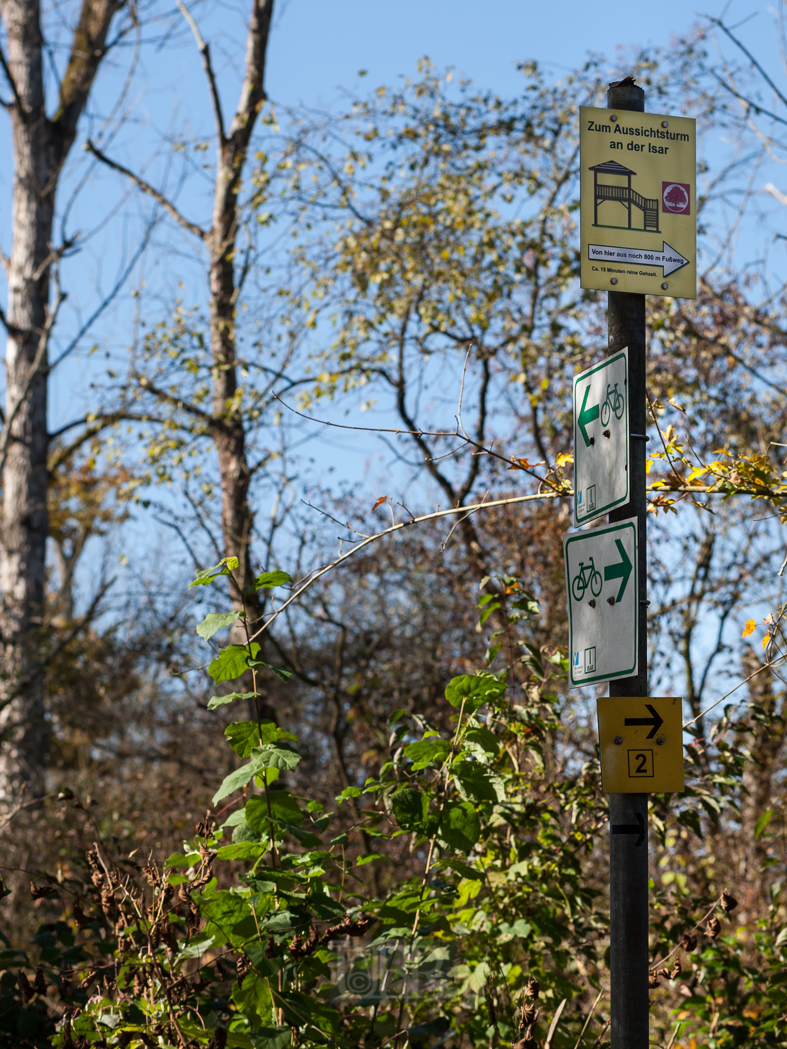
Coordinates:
(765, 641)
(749, 628)
(565, 457)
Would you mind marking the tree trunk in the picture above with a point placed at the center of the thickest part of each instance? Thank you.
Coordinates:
(237, 518)
(41, 145)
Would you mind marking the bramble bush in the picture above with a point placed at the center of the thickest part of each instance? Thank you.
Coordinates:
(265, 930)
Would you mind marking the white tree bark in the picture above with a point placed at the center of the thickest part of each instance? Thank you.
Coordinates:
(41, 145)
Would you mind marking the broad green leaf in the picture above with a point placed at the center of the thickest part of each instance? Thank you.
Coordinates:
(244, 736)
(243, 850)
(475, 690)
(477, 782)
(237, 779)
(278, 756)
(428, 750)
(216, 621)
(207, 575)
(482, 738)
(468, 873)
(460, 827)
(283, 807)
(245, 832)
(253, 999)
(232, 662)
(273, 1038)
(274, 755)
(410, 807)
(763, 822)
(218, 701)
(268, 580)
(349, 792)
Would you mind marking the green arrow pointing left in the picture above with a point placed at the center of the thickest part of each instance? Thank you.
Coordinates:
(621, 571)
(586, 415)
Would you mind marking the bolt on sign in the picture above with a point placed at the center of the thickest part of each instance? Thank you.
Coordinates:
(601, 438)
(641, 743)
(603, 603)
(638, 202)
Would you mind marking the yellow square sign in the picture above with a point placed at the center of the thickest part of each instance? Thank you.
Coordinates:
(638, 202)
(641, 742)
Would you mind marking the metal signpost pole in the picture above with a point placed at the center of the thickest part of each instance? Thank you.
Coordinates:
(628, 861)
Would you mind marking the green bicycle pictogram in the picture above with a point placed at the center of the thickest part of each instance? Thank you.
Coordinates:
(614, 403)
(587, 576)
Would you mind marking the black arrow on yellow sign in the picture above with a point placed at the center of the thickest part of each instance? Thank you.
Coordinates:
(656, 721)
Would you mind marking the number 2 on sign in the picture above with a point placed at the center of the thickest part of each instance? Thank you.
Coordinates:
(640, 763)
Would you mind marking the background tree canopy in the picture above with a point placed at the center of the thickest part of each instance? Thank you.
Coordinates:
(311, 499)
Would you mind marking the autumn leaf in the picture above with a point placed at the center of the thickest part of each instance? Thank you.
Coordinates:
(563, 458)
(380, 500)
(524, 464)
(749, 628)
(765, 641)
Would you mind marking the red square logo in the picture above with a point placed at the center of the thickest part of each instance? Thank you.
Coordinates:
(675, 198)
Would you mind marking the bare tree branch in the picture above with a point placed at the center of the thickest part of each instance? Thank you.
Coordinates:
(168, 206)
(204, 49)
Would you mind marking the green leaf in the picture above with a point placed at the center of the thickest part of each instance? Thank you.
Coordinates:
(243, 850)
(428, 750)
(475, 690)
(273, 1038)
(207, 575)
(277, 668)
(232, 662)
(218, 701)
(237, 779)
(763, 822)
(460, 827)
(284, 807)
(268, 580)
(349, 792)
(215, 621)
(462, 869)
(277, 756)
(245, 832)
(244, 736)
(410, 807)
(482, 739)
(478, 782)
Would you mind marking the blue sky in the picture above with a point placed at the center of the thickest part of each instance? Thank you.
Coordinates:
(321, 44)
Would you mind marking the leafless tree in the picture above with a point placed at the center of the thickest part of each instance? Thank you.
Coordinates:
(44, 130)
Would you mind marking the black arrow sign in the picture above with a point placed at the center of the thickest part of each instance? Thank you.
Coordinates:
(656, 721)
(637, 828)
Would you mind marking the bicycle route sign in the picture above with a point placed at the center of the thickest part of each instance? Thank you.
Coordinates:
(601, 438)
(603, 603)
(638, 202)
(641, 744)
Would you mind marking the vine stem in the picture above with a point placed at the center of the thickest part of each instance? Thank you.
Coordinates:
(445, 769)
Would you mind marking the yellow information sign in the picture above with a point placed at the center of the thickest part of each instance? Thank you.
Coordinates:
(641, 741)
(638, 202)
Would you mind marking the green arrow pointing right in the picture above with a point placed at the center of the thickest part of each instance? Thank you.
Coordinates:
(621, 571)
(586, 415)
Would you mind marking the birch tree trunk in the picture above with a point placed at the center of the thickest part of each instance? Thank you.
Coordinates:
(41, 145)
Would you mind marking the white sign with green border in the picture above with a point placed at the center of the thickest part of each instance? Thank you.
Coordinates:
(603, 603)
(601, 438)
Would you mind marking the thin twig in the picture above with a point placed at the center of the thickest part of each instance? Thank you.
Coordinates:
(388, 531)
(147, 188)
(589, 1018)
(204, 49)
